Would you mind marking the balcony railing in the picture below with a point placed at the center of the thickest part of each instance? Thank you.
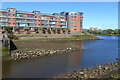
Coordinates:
(3, 20)
(63, 23)
(29, 21)
(20, 21)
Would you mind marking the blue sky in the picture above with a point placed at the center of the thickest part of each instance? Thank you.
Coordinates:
(103, 15)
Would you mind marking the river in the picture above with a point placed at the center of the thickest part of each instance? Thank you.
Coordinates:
(94, 52)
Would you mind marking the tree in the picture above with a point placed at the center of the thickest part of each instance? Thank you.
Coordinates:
(8, 29)
(43, 31)
(54, 31)
(69, 31)
(27, 30)
(17, 29)
(63, 31)
(58, 31)
(48, 31)
(36, 30)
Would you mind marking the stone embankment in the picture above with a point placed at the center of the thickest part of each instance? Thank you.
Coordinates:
(96, 72)
(39, 53)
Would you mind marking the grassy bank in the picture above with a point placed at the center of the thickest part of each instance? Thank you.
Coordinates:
(61, 37)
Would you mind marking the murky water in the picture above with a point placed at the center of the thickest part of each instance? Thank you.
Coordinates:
(95, 52)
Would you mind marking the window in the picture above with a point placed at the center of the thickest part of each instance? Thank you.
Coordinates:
(71, 13)
(13, 14)
(9, 23)
(75, 26)
(39, 24)
(8, 18)
(75, 29)
(75, 16)
(75, 13)
(35, 20)
(9, 14)
(71, 23)
(75, 19)
(13, 23)
(35, 16)
(39, 20)
(8, 10)
(71, 16)
(75, 22)
(71, 26)
(72, 19)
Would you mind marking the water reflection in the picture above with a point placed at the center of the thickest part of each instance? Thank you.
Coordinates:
(95, 52)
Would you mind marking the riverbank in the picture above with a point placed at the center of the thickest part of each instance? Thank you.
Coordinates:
(27, 54)
(60, 37)
(96, 72)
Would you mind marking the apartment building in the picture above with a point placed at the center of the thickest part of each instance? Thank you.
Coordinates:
(36, 20)
(74, 21)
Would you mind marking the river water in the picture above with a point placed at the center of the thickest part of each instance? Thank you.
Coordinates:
(94, 52)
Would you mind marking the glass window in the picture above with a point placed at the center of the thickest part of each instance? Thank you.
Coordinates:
(39, 24)
(75, 26)
(71, 16)
(13, 14)
(75, 16)
(3, 14)
(75, 29)
(35, 16)
(71, 26)
(72, 19)
(9, 14)
(13, 23)
(30, 16)
(9, 23)
(75, 19)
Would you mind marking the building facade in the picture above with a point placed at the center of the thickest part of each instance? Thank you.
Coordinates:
(36, 20)
(74, 21)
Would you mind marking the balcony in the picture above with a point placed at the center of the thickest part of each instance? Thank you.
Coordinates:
(4, 20)
(44, 22)
(63, 23)
(29, 21)
(20, 21)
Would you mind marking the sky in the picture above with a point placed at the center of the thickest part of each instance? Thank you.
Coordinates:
(103, 15)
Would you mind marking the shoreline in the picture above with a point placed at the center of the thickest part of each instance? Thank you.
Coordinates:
(99, 71)
(59, 37)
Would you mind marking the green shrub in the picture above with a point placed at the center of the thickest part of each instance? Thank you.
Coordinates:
(48, 31)
(58, 31)
(43, 31)
(69, 31)
(11, 36)
(54, 31)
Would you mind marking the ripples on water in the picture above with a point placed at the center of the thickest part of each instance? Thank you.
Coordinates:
(94, 52)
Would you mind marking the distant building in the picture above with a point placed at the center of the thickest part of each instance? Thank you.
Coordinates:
(93, 28)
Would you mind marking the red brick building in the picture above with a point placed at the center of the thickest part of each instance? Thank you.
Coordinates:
(36, 20)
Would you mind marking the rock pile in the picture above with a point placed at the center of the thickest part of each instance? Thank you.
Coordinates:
(39, 53)
(96, 72)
